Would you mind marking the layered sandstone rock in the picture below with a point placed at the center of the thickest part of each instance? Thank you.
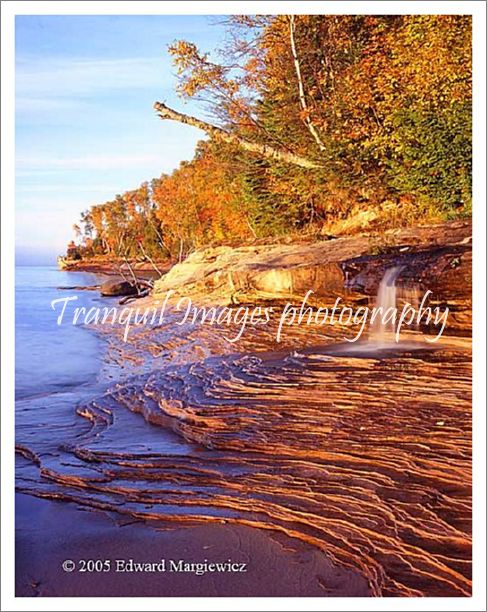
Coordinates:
(437, 258)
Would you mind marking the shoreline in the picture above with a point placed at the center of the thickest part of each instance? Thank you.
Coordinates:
(274, 564)
(436, 257)
(112, 267)
(199, 437)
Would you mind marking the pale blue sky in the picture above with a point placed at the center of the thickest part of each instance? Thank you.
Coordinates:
(85, 127)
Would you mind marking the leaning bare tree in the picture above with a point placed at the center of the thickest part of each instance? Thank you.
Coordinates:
(268, 151)
(218, 85)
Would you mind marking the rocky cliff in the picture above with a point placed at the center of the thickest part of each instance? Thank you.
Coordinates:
(436, 257)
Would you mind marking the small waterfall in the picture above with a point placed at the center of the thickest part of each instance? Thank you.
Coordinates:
(389, 302)
(386, 298)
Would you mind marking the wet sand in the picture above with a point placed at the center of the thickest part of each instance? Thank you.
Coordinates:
(48, 533)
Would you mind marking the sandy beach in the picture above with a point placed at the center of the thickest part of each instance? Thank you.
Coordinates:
(274, 565)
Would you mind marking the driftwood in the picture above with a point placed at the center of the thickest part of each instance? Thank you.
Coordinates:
(149, 259)
(80, 288)
(128, 298)
(218, 133)
(135, 282)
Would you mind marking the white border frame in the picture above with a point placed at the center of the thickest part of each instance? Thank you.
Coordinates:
(11, 8)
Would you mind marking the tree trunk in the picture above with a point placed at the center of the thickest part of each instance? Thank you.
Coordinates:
(165, 112)
(302, 95)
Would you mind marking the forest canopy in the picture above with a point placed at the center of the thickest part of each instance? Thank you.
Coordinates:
(317, 124)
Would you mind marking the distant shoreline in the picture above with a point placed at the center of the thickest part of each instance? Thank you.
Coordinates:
(111, 267)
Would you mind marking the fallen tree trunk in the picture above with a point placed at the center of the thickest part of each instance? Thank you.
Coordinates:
(129, 298)
(165, 112)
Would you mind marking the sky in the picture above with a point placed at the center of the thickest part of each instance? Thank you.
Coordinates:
(85, 127)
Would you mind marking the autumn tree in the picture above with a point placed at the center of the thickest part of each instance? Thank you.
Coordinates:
(315, 123)
(353, 95)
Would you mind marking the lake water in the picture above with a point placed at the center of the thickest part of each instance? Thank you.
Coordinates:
(48, 357)
(59, 371)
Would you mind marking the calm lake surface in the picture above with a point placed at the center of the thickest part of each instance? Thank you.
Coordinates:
(51, 357)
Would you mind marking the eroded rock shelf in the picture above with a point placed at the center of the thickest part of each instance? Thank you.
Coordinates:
(366, 457)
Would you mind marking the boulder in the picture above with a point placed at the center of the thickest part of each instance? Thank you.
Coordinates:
(117, 288)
